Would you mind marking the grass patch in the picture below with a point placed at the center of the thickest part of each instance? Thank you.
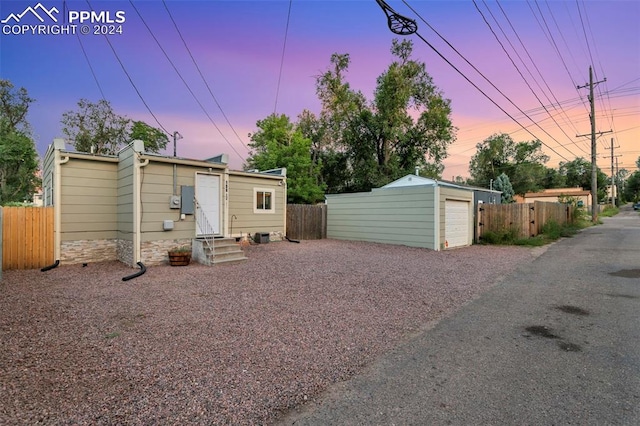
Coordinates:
(551, 231)
(112, 335)
(609, 211)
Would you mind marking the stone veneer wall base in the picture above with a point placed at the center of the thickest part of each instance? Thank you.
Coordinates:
(156, 252)
(87, 251)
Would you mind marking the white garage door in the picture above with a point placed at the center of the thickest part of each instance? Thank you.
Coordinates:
(456, 223)
(208, 195)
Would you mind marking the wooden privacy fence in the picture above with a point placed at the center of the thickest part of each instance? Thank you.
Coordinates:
(526, 220)
(306, 222)
(27, 237)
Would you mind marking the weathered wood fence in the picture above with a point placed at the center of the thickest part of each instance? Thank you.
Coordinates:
(27, 237)
(526, 220)
(306, 222)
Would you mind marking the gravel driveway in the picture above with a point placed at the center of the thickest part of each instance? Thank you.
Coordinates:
(236, 344)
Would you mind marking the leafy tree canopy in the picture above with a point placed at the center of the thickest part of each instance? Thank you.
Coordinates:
(362, 144)
(577, 173)
(278, 143)
(522, 162)
(95, 127)
(18, 156)
(632, 185)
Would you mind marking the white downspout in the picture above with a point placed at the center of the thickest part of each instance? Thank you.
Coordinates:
(284, 203)
(137, 208)
(57, 203)
(436, 216)
(225, 208)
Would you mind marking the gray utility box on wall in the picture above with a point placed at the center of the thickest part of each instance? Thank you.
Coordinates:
(187, 194)
(261, 237)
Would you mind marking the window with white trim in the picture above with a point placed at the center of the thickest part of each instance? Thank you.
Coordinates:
(263, 200)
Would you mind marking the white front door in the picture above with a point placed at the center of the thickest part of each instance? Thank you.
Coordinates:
(208, 207)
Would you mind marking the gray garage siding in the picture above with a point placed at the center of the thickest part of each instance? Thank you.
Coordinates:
(394, 216)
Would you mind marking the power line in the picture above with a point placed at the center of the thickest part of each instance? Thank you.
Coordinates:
(195, 63)
(478, 88)
(284, 47)
(95, 78)
(124, 69)
(183, 80)
(518, 70)
(84, 52)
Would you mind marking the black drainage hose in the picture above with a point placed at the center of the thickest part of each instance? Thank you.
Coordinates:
(142, 270)
(55, 265)
(292, 241)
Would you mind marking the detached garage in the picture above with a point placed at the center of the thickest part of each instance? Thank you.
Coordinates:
(412, 211)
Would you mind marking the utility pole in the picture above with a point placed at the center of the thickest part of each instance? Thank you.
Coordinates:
(176, 137)
(594, 167)
(619, 182)
(613, 176)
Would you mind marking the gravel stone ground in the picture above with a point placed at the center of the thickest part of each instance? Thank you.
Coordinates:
(235, 344)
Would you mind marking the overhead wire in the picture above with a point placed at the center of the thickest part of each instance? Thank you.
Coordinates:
(184, 81)
(486, 79)
(195, 63)
(574, 84)
(124, 69)
(84, 52)
(572, 140)
(284, 47)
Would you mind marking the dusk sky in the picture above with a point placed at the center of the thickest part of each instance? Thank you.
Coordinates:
(238, 47)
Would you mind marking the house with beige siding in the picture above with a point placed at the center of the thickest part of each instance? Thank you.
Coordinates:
(135, 206)
(555, 195)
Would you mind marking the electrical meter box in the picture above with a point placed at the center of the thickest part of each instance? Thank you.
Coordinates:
(174, 202)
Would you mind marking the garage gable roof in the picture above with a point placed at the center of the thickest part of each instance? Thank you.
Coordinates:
(415, 180)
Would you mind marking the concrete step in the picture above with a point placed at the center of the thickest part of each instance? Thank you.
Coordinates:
(239, 254)
(225, 251)
(229, 261)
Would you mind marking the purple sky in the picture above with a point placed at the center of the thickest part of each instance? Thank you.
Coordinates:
(238, 47)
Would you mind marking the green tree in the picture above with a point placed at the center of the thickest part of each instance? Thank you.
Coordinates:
(577, 173)
(154, 139)
(632, 187)
(502, 183)
(277, 143)
(632, 184)
(364, 144)
(621, 177)
(18, 156)
(553, 179)
(523, 162)
(95, 127)
(327, 131)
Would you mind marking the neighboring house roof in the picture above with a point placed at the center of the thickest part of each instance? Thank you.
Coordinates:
(555, 192)
(415, 180)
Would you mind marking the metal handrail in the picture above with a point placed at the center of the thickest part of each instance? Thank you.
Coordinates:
(205, 227)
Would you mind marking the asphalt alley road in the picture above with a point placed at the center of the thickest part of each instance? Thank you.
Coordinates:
(555, 343)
